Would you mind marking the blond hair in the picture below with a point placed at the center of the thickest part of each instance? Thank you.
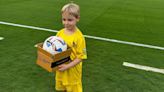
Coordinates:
(72, 9)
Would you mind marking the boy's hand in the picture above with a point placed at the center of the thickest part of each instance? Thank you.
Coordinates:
(62, 67)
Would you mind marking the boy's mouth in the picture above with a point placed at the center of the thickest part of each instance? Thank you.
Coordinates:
(67, 26)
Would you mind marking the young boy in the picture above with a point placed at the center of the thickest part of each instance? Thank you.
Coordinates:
(68, 76)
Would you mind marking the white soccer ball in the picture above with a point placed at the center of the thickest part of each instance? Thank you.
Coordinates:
(54, 45)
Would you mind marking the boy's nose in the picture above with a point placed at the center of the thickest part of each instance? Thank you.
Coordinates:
(66, 22)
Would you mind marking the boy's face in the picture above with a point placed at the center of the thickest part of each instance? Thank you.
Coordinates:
(69, 21)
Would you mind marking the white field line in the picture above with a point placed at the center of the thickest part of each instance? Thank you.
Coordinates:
(1, 38)
(88, 36)
(141, 67)
(25, 26)
(35, 45)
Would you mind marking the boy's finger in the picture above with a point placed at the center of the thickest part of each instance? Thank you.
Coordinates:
(59, 66)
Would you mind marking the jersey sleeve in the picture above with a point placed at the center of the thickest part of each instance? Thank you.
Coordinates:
(81, 48)
(57, 34)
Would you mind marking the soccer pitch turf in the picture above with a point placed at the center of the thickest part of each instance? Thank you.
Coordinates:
(138, 21)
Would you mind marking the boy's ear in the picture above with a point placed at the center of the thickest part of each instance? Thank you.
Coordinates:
(78, 18)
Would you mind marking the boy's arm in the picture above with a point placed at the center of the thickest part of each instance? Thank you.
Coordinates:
(64, 67)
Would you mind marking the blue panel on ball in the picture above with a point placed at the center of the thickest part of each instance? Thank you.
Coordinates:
(59, 50)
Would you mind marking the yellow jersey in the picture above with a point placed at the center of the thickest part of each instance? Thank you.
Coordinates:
(76, 42)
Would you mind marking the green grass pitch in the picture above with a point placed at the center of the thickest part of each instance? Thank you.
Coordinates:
(138, 21)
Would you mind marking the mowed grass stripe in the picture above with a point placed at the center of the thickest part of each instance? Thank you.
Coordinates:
(88, 36)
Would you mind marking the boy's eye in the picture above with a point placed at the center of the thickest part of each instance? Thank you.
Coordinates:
(64, 19)
(69, 19)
